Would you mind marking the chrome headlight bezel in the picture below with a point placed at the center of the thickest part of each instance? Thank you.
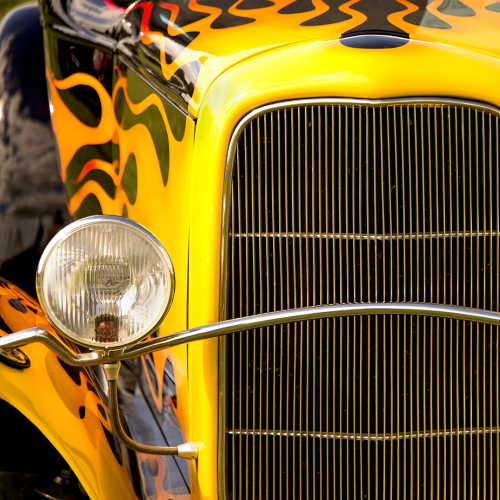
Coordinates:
(88, 222)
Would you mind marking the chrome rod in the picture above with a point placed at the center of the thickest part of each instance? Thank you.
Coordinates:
(240, 313)
(257, 478)
(364, 236)
(32, 335)
(367, 437)
(273, 253)
(497, 147)
(490, 184)
(188, 451)
(233, 312)
(253, 269)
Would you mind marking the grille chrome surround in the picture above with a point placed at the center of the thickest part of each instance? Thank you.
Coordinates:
(347, 293)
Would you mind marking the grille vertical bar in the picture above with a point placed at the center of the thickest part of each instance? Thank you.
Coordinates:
(334, 203)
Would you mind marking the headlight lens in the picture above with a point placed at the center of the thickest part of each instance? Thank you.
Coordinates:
(105, 282)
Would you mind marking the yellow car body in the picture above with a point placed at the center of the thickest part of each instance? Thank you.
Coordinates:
(272, 59)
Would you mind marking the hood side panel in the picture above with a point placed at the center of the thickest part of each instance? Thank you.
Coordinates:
(186, 45)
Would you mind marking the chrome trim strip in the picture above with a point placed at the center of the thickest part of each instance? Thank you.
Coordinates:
(365, 437)
(32, 335)
(371, 236)
(126, 56)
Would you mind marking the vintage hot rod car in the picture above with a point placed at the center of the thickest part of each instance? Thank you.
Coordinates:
(322, 178)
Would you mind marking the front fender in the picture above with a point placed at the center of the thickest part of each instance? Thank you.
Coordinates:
(64, 403)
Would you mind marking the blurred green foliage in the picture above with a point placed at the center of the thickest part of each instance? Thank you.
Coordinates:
(6, 5)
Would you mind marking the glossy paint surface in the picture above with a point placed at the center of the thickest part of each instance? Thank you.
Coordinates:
(160, 476)
(187, 45)
(126, 150)
(64, 403)
(69, 407)
(144, 120)
(327, 69)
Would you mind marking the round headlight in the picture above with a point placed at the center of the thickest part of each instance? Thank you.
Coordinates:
(105, 282)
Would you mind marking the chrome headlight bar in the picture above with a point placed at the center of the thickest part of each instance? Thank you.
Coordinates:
(31, 335)
(106, 282)
(111, 358)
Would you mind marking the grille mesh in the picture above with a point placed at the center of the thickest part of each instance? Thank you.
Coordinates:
(357, 203)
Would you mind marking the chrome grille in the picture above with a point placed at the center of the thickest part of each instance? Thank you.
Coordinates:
(363, 202)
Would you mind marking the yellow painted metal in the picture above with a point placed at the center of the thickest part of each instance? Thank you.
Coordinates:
(186, 213)
(217, 50)
(163, 209)
(54, 402)
(323, 68)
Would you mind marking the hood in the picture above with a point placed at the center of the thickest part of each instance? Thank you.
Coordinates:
(186, 44)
